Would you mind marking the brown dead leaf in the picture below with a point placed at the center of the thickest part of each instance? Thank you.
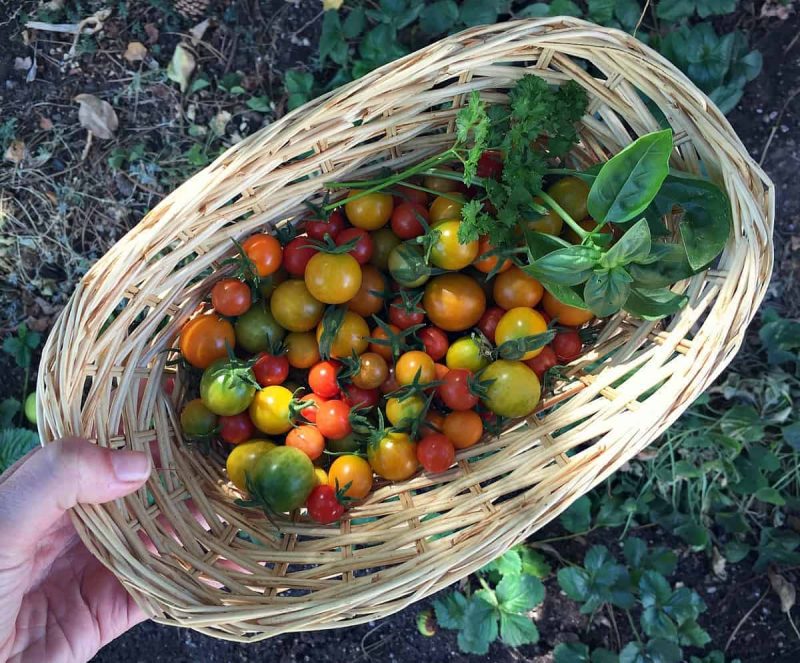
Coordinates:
(45, 123)
(181, 66)
(97, 116)
(718, 564)
(219, 122)
(783, 588)
(15, 152)
(135, 52)
(152, 33)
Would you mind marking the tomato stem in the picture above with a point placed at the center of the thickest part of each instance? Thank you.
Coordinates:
(580, 232)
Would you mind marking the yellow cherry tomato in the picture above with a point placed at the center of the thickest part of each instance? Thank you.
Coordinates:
(446, 208)
(393, 457)
(414, 362)
(513, 389)
(351, 336)
(465, 353)
(371, 211)
(333, 278)
(518, 323)
(269, 410)
(401, 412)
(302, 350)
(294, 308)
(447, 252)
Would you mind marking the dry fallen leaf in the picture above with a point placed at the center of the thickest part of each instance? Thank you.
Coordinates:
(219, 122)
(15, 152)
(783, 588)
(152, 33)
(135, 52)
(718, 564)
(331, 4)
(199, 30)
(97, 116)
(45, 123)
(773, 9)
(181, 66)
(23, 64)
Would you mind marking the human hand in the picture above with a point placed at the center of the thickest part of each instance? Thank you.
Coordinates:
(59, 603)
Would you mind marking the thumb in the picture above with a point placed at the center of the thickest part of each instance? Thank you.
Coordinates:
(56, 478)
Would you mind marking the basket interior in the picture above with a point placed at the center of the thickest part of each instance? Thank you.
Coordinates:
(186, 551)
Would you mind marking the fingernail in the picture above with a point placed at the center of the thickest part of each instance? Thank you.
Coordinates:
(130, 465)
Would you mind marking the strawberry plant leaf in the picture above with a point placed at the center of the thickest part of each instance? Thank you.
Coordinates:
(14, 444)
(479, 626)
(517, 630)
(450, 610)
(519, 593)
(578, 517)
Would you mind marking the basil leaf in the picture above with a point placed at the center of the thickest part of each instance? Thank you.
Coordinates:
(606, 292)
(540, 244)
(568, 266)
(654, 303)
(707, 218)
(633, 246)
(628, 182)
(565, 295)
(666, 264)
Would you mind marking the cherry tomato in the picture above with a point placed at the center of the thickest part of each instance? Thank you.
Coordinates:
(347, 445)
(372, 372)
(403, 316)
(370, 211)
(464, 428)
(350, 337)
(368, 300)
(267, 285)
(488, 263)
(490, 164)
(224, 390)
(384, 240)
(230, 297)
(284, 477)
(296, 255)
(384, 351)
(443, 208)
(466, 353)
(308, 439)
(407, 194)
(565, 314)
(309, 413)
(352, 475)
(302, 350)
(294, 307)
(197, 420)
(322, 505)
(333, 278)
(543, 362)
(333, 419)
(435, 453)
(549, 223)
(270, 410)
(448, 252)
(514, 390)
(270, 369)
(322, 378)
(390, 384)
(455, 392)
(488, 322)
(393, 457)
(264, 251)
(435, 342)
(237, 428)
(433, 423)
(242, 459)
(567, 345)
(571, 193)
(317, 229)
(357, 397)
(205, 339)
(442, 184)
(403, 411)
(405, 220)
(414, 364)
(364, 247)
(441, 371)
(321, 476)
(454, 302)
(515, 288)
(518, 323)
(258, 330)
(407, 265)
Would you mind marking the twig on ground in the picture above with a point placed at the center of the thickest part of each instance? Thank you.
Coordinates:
(745, 618)
(774, 129)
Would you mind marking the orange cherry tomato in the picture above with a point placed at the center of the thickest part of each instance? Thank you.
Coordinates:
(368, 300)
(350, 337)
(302, 349)
(446, 208)
(231, 297)
(308, 439)
(518, 323)
(414, 362)
(265, 252)
(371, 211)
(463, 427)
(454, 302)
(488, 263)
(205, 339)
(384, 351)
(393, 457)
(353, 470)
(571, 316)
(515, 288)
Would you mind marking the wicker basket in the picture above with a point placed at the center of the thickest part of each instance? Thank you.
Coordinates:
(184, 550)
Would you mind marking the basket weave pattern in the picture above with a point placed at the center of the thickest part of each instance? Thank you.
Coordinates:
(185, 551)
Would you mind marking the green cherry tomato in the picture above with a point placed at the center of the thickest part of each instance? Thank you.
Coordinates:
(197, 420)
(465, 353)
(242, 459)
(403, 412)
(384, 240)
(30, 407)
(348, 444)
(283, 478)
(257, 330)
(227, 388)
(571, 193)
(514, 390)
(407, 265)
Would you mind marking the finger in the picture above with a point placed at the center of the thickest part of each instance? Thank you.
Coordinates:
(59, 476)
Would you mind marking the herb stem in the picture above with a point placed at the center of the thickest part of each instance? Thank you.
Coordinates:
(580, 232)
(633, 626)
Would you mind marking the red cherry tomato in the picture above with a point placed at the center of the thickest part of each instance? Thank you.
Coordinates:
(296, 255)
(333, 419)
(323, 506)
(271, 369)
(435, 452)
(435, 342)
(362, 398)
(322, 378)
(405, 220)
(364, 247)
(231, 297)
(390, 384)
(309, 413)
(454, 390)
(401, 317)
(542, 362)
(488, 322)
(567, 345)
(317, 228)
(490, 164)
(406, 194)
(236, 428)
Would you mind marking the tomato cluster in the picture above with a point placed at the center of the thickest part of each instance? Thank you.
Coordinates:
(372, 343)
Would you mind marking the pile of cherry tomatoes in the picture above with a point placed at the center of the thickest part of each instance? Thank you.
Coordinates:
(372, 343)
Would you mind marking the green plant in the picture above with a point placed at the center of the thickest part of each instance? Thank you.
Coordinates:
(510, 588)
